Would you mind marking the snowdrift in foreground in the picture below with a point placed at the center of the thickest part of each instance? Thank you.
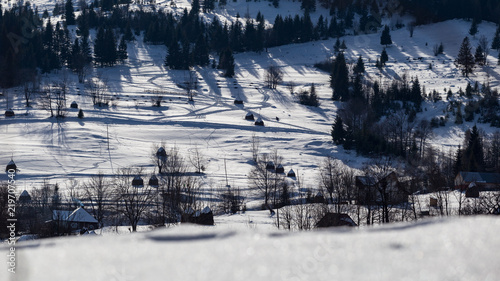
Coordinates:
(454, 249)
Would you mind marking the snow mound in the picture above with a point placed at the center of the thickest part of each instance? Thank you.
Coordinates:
(451, 249)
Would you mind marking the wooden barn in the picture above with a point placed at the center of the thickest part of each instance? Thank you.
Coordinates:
(374, 191)
(203, 217)
(483, 181)
(335, 220)
(74, 220)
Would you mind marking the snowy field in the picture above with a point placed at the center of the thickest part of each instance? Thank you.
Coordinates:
(452, 249)
(59, 151)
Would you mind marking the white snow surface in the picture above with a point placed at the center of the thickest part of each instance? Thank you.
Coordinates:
(442, 249)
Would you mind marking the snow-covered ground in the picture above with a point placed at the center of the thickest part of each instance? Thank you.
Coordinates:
(452, 249)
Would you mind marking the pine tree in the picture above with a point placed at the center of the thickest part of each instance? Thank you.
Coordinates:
(360, 66)
(338, 131)
(69, 13)
(336, 47)
(128, 35)
(339, 79)
(308, 5)
(457, 167)
(385, 38)
(99, 46)
(495, 44)
(416, 94)
(200, 51)
(479, 56)
(465, 58)
(458, 116)
(172, 60)
(122, 54)
(473, 160)
(384, 57)
(110, 47)
(226, 62)
(208, 5)
(357, 91)
(473, 28)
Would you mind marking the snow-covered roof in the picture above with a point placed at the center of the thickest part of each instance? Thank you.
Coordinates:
(367, 180)
(206, 210)
(24, 194)
(78, 215)
(480, 177)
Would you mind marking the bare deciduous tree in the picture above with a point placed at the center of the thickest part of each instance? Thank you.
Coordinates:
(255, 148)
(97, 191)
(198, 160)
(273, 76)
(132, 202)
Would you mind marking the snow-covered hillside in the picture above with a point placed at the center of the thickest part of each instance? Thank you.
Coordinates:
(47, 149)
(455, 249)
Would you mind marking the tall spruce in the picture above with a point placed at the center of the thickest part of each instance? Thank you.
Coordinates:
(360, 66)
(465, 59)
(473, 159)
(338, 131)
(122, 54)
(339, 79)
(69, 13)
(385, 38)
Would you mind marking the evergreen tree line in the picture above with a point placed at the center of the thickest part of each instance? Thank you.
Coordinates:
(358, 126)
(426, 11)
(479, 153)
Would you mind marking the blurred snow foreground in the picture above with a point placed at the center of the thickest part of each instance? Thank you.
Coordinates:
(451, 249)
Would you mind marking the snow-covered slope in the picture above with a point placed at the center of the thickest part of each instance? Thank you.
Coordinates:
(60, 150)
(455, 249)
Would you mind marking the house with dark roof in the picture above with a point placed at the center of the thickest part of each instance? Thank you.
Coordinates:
(74, 220)
(483, 181)
(335, 219)
(372, 190)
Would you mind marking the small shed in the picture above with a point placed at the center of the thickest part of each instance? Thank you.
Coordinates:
(280, 169)
(249, 116)
(25, 197)
(138, 182)
(259, 122)
(472, 191)
(9, 113)
(74, 105)
(153, 181)
(11, 166)
(433, 202)
(203, 217)
(270, 166)
(291, 174)
(238, 101)
(335, 220)
(319, 198)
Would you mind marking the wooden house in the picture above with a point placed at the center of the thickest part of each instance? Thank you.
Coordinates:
(483, 181)
(335, 220)
(386, 189)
